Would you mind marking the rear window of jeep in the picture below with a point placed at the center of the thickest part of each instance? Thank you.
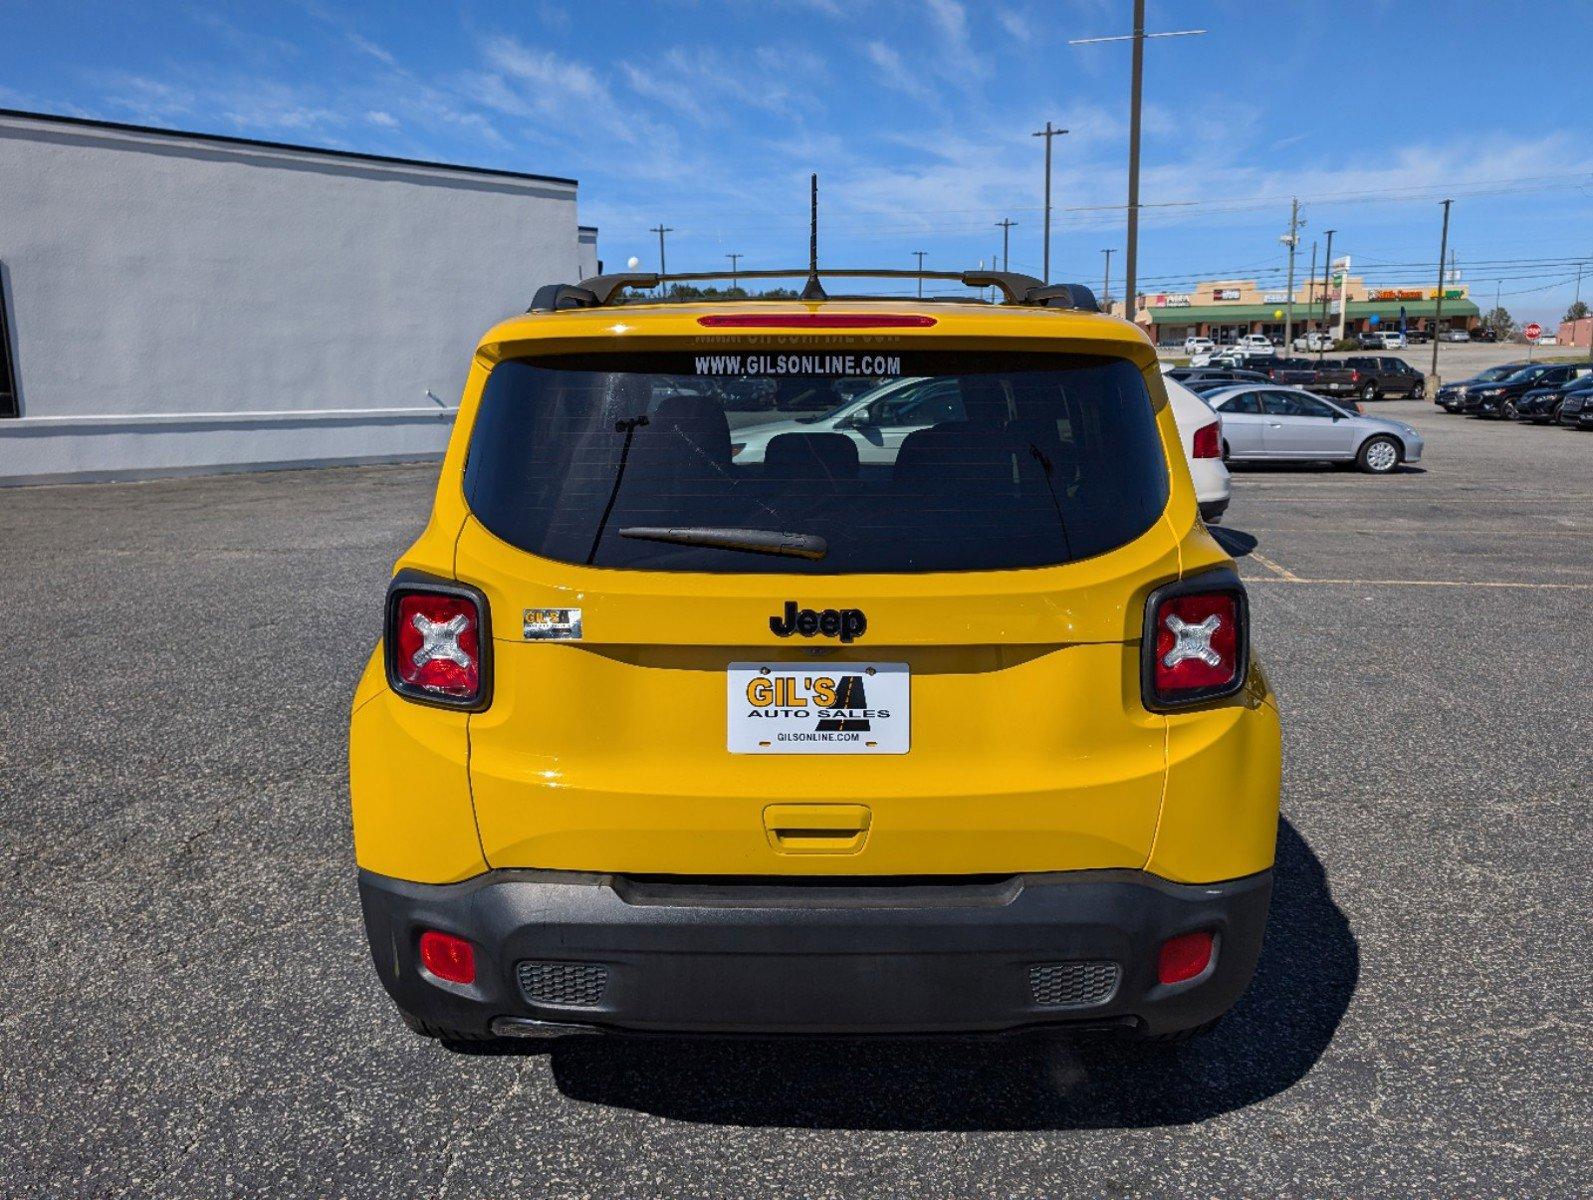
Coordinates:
(816, 463)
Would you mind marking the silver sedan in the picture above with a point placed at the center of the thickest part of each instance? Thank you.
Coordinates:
(1282, 424)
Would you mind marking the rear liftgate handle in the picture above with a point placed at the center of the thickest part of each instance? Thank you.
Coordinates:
(817, 828)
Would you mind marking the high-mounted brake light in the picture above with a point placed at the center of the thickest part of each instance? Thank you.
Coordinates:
(1196, 645)
(1208, 441)
(436, 643)
(816, 321)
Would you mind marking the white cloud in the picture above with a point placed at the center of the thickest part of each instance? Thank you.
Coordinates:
(385, 120)
(1016, 24)
(893, 73)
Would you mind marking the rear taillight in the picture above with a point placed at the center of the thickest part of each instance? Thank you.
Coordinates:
(1208, 441)
(1196, 645)
(437, 642)
(1355, 377)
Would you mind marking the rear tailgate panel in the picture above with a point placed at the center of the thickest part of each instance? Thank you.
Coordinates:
(1030, 750)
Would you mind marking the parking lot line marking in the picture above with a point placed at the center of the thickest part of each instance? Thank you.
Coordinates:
(1465, 583)
(1279, 571)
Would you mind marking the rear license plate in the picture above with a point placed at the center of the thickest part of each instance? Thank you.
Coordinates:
(841, 708)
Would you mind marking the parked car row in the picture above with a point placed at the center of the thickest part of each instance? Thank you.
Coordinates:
(1263, 422)
(1535, 393)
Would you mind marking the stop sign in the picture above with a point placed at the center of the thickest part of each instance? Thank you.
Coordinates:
(1533, 332)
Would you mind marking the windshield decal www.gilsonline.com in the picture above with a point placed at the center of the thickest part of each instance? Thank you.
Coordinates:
(865, 365)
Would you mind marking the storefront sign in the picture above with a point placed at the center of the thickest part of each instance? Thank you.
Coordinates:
(1225, 293)
(1170, 301)
(1275, 298)
(1397, 294)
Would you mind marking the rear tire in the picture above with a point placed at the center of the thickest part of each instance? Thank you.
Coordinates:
(1378, 455)
(1369, 392)
(1509, 411)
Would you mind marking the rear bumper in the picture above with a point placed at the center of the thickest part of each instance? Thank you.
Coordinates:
(815, 956)
(1211, 511)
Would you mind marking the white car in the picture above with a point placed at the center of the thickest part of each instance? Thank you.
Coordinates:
(1549, 339)
(1199, 345)
(1315, 340)
(877, 420)
(1393, 339)
(880, 419)
(1200, 430)
(1255, 345)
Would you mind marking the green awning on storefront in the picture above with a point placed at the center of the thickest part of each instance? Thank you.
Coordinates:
(1243, 314)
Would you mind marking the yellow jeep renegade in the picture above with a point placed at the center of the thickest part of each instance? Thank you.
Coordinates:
(814, 666)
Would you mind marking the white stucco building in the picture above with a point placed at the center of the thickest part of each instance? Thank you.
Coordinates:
(178, 303)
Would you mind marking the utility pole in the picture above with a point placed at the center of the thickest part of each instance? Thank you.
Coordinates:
(1310, 288)
(920, 254)
(661, 229)
(1131, 251)
(1327, 275)
(1106, 284)
(1005, 225)
(1048, 133)
(735, 260)
(1291, 239)
(1438, 300)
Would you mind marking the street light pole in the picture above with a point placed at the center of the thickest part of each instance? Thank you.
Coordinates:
(734, 260)
(920, 254)
(1327, 275)
(1291, 239)
(1106, 283)
(1047, 133)
(1438, 300)
(1131, 250)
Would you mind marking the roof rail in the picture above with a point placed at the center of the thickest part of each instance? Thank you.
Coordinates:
(601, 290)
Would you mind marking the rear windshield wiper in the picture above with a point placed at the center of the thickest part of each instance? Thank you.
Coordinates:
(755, 541)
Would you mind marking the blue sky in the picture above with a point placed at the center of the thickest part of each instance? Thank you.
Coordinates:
(708, 114)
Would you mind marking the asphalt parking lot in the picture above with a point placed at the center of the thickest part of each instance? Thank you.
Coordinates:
(189, 1008)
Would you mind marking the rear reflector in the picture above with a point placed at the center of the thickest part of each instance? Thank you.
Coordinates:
(1208, 442)
(448, 957)
(1183, 957)
(817, 321)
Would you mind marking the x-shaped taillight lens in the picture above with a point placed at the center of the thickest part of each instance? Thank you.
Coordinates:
(437, 644)
(1199, 646)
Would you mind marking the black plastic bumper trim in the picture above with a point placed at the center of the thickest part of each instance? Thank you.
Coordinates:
(728, 957)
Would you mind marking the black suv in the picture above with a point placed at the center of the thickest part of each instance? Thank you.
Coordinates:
(1500, 399)
(1452, 396)
(1384, 375)
(1541, 405)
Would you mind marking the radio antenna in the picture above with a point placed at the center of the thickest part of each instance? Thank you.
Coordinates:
(814, 289)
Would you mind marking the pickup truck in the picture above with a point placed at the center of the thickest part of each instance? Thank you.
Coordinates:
(1328, 378)
(1382, 375)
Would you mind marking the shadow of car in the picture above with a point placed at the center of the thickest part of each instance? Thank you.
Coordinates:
(1309, 969)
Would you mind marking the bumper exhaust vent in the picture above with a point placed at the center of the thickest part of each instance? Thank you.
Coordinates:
(1073, 984)
(569, 984)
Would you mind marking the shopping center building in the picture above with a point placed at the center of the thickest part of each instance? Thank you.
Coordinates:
(1226, 309)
